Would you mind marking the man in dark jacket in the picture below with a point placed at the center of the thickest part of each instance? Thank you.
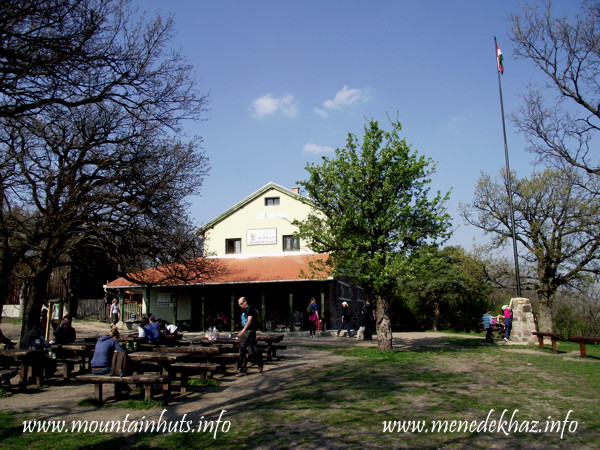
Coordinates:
(247, 336)
(153, 331)
(65, 333)
(33, 339)
(368, 317)
(346, 316)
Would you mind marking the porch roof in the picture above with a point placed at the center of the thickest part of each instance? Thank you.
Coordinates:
(258, 269)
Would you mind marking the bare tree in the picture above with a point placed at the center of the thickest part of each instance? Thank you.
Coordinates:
(93, 152)
(567, 51)
(556, 223)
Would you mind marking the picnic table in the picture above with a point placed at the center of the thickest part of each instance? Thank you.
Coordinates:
(26, 360)
(500, 329)
(75, 353)
(270, 343)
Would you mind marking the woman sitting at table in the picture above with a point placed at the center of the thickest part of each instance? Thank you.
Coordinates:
(103, 352)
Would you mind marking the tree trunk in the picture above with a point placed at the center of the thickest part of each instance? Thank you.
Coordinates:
(33, 294)
(436, 315)
(384, 325)
(545, 315)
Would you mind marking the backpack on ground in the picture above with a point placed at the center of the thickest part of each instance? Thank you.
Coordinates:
(122, 365)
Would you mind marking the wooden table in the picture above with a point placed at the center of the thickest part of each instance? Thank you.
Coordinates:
(26, 359)
(269, 339)
(82, 352)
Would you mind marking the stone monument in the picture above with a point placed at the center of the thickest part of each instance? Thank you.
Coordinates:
(523, 323)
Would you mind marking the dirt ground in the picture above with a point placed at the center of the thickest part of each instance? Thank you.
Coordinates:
(58, 399)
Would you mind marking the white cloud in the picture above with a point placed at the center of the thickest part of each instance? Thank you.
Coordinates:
(320, 112)
(345, 97)
(267, 105)
(316, 149)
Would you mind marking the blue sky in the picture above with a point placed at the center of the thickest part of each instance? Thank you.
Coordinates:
(288, 80)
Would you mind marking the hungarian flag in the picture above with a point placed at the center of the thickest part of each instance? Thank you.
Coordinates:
(500, 59)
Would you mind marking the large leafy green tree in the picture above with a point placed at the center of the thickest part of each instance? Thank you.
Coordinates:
(556, 224)
(372, 209)
(446, 288)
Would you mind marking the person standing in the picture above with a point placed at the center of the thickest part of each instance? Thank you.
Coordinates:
(114, 313)
(368, 313)
(313, 317)
(346, 316)
(247, 337)
(487, 324)
(507, 321)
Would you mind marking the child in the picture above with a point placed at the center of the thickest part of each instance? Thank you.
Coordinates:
(487, 324)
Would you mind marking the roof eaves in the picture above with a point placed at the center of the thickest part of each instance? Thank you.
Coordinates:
(217, 283)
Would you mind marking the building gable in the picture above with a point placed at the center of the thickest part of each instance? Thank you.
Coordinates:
(260, 224)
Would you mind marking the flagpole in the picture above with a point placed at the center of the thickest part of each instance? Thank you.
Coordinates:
(508, 179)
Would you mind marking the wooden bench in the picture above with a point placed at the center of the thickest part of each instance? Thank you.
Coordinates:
(552, 336)
(68, 365)
(583, 340)
(147, 381)
(7, 374)
(148, 366)
(182, 370)
(225, 361)
(271, 349)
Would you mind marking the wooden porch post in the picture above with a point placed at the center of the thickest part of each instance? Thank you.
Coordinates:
(202, 312)
(263, 311)
(232, 311)
(175, 308)
(322, 311)
(291, 300)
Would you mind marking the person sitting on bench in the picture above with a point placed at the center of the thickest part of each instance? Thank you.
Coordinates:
(103, 352)
(65, 333)
(153, 331)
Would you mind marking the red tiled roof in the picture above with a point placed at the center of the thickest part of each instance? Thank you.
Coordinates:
(260, 269)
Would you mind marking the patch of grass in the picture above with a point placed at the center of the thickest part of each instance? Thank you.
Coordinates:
(147, 403)
(91, 402)
(203, 382)
(4, 394)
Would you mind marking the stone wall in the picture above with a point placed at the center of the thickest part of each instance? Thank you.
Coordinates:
(523, 321)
